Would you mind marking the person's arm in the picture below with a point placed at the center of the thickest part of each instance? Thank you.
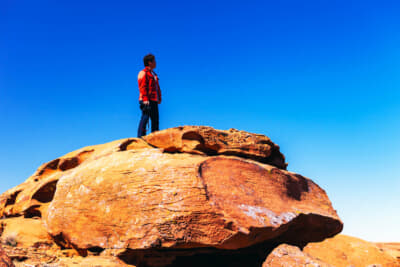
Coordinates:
(143, 83)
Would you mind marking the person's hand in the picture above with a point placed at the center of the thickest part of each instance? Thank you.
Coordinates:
(146, 102)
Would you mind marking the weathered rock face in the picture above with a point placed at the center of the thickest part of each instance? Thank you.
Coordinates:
(208, 141)
(344, 251)
(5, 261)
(286, 255)
(25, 232)
(392, 249)
(177, 193)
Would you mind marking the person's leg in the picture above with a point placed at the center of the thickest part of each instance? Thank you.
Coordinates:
(143, 122)
(154, 116)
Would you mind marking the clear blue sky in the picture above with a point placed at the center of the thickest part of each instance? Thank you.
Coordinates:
(320, 78)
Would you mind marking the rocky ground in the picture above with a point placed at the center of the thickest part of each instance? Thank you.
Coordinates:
(185, 196)
(392, 249)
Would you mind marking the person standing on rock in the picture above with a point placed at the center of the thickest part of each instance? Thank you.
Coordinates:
(149, 95)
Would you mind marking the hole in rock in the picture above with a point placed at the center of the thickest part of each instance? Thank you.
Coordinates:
(11, 215)
(46, 193)
(95, 250)
(33, 212)
(19, 258)
(125, 144)
(68, 163)
(11, 199)
(52, 165)
(276, 159)
(193, 136)
(61, 241)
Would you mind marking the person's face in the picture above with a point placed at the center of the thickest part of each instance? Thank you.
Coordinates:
(152, 64)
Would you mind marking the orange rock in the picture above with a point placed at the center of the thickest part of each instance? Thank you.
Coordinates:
(391, 248)
(131, 200)
(5, 261)
(142, 199)
(286, 255)
(344, 251)
(30, 199)
(209, 141)
(90, 261)
(25, 232)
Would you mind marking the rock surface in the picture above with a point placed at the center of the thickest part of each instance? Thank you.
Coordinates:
(208, 141)
(169, 198)
(25, 232)
(392, 249)
(344, 251)
(5, 261)
(286, 256)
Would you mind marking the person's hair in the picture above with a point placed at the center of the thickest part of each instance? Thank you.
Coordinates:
(148, 58)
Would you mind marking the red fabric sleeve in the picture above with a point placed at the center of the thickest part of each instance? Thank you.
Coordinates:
(143, 82)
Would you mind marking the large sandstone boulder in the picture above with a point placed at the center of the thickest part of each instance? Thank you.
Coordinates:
(174, 194)
(344, 251)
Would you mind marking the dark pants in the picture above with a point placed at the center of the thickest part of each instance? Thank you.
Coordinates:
(152, 113)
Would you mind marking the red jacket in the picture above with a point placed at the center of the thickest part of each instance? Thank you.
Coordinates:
(149, 89)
